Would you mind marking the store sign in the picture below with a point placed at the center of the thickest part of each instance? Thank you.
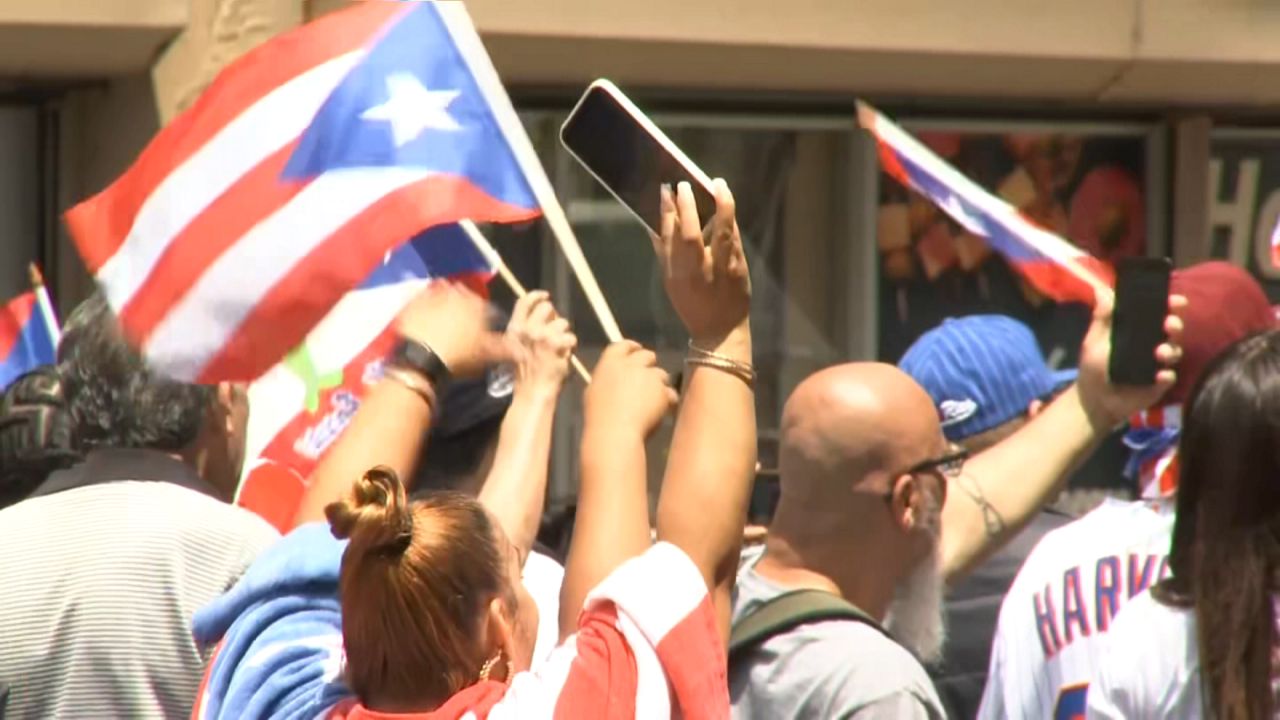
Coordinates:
(1244, 203)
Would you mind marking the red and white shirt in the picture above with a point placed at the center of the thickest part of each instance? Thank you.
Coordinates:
(647, 646)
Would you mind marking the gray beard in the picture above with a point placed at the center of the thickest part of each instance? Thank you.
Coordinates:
(916, 616)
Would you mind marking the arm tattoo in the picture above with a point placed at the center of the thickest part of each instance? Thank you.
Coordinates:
(991, 517)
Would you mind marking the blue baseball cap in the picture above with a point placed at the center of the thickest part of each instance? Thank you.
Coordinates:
(981, 371)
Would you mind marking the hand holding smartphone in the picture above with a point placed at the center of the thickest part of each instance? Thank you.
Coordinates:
(622, 148)
(1137, 326)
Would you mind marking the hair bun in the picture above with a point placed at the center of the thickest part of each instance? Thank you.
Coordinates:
(376, 516)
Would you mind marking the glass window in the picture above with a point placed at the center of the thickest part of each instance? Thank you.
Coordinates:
(791, 184)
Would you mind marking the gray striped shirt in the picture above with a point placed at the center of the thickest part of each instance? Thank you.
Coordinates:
(97, 588)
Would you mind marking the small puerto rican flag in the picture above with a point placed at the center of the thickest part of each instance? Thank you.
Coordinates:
(28, 332)
(1052, 265)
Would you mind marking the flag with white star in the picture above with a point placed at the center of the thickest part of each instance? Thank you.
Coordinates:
(304, 163)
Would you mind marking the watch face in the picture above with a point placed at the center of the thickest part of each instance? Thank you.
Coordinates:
(502, 380)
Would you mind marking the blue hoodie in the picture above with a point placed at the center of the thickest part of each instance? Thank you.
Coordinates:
(280, 631)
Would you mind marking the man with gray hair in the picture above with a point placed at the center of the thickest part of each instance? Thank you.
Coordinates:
(106, 561)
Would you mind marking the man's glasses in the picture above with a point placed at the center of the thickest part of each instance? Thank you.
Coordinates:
(948, 465)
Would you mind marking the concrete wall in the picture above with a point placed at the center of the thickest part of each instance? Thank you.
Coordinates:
(1108, 51)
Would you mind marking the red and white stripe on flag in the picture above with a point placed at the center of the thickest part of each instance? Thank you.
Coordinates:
(201, 232)
(217, 261)
(1052, 265)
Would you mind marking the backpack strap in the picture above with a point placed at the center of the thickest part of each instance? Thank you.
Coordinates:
(788, 611)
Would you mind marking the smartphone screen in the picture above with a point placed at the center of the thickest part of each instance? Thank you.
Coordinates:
(630, 156)
(1137, 329)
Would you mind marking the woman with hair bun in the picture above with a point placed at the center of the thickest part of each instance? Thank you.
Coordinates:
(399, 609)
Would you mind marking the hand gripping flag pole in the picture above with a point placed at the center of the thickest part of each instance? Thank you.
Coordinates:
(513, 282)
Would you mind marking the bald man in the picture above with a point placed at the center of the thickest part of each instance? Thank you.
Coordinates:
(877, 509)
(865, 468)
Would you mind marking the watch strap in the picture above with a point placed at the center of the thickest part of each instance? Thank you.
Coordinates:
(419, 358)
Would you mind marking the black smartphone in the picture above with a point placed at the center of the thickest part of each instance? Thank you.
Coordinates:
(1137, 327)
(622, 148)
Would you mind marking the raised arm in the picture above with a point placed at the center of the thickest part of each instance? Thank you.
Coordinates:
(703, 505)
(395, 414)
(1001, 489)
(626, 401)
(516, 487)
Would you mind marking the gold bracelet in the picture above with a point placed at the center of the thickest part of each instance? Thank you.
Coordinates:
(413, 381)
(722, 361)
(743, 372)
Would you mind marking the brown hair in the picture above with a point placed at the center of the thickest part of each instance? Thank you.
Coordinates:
(1225, 552)
(415, 586)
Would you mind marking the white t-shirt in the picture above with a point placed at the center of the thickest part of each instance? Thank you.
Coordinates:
(1073, 584)
(1151, 667)
(543, 577)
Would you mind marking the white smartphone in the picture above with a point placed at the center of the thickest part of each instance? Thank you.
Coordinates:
(629, 155)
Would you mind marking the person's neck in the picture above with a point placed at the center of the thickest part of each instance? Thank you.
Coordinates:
(828, 564)
(199, 461)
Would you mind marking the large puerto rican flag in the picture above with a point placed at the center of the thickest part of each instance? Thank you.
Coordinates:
(28, 335)
(1052, 265)
(304, 163)
(301, 405)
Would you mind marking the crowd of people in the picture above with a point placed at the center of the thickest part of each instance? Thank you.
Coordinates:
(414, 583)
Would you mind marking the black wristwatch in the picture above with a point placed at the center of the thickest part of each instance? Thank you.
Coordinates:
(413, 355)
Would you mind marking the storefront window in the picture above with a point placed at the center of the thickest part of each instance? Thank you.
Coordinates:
(790, 184)
(1088, 185)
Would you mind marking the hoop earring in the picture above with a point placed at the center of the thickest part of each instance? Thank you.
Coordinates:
(488, 666)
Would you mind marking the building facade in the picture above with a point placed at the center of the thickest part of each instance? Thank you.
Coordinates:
(1143, 126)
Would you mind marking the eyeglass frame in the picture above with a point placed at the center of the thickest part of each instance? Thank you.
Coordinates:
(947, 466)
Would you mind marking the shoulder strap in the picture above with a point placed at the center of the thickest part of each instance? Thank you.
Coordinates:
(790, 610)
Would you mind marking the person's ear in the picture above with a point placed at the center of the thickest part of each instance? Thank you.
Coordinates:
(502, 639)
(904, 501)
(1034, 408)
(228, 396)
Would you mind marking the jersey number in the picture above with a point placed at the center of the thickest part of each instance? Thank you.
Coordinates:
(1071, 702)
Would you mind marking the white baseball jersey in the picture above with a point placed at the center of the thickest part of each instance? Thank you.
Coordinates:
(1048, 637)
(1151, 667)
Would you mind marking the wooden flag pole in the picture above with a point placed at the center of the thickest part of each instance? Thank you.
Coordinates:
(456, 19)
(44, 304)
(513, 282)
